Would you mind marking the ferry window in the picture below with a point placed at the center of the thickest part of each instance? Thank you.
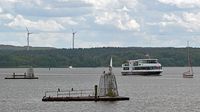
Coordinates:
(158, 67)
(143, 68)
(126, 68)
(151, 61)
(143, 61)
(137, 68)
(126, 64)
(135, 63)
(146, 68)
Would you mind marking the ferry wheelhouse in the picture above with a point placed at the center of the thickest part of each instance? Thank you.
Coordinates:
(142, 67)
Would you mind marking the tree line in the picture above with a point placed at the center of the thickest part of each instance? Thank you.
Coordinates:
(95, 57)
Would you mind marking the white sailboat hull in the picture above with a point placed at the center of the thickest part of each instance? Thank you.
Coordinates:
(187, 75)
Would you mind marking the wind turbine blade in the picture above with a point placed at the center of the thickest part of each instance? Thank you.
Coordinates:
(27, 29)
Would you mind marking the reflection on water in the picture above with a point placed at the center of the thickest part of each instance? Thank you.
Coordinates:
(166, 93)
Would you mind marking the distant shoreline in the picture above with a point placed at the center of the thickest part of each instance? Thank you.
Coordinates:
(94, 57)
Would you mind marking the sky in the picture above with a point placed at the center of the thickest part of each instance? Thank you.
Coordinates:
(100, 23)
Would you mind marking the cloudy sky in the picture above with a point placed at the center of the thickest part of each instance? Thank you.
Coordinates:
(101, 23)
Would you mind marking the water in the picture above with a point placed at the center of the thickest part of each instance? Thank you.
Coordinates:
(167, 93)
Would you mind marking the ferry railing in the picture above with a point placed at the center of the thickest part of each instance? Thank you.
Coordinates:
(70, 93)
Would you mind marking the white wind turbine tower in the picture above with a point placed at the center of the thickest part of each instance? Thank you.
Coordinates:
(73, 36)
(30, 72)
(28, 33)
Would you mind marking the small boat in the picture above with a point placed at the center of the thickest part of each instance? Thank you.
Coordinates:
(142, 67)
(189, 73)
(70, 67)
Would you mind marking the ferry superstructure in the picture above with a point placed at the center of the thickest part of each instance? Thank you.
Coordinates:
(142, 67)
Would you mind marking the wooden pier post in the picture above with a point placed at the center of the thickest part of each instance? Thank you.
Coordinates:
(95, 90)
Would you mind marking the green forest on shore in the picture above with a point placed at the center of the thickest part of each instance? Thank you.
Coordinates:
(93, 57)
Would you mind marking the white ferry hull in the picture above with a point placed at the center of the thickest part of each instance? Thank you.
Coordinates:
(156, 73)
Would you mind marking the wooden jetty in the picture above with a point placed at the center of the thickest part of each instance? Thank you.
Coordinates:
(79, 95)
(14, 76)
(85, 98)
(21, 78)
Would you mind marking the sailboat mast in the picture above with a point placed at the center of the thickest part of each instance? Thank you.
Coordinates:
(189, 59)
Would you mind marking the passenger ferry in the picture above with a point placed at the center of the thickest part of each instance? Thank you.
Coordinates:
(142, 67)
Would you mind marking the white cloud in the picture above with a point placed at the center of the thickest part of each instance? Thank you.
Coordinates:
(6, 16)
(42, 39)
(11, 4)
(120, 20)
(102, 4)
(96, 20)
(13, 1)
(190, 21)
(13, 38)
(85, 44)
(182, 3)
(48, 25)
(10, 42)
(67, 20)
(23, 1)
(160, 41)
(115, 13)
(50, 40)
(112, 4)
(194, 41)
(1, 10)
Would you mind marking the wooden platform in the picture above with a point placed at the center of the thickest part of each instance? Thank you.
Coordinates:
(79, 95)
(85, 98)
(20, 76)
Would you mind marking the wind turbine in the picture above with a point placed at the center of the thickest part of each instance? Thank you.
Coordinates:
(73, 36)
(30, 71)
(28, 33)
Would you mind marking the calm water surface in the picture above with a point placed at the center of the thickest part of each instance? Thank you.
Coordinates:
(167, 93)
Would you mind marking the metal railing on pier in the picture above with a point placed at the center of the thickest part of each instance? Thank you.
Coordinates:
(70, 93)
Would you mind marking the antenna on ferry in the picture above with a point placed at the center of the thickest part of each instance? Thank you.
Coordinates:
(28, 33)
(147, 56)
(73, 36)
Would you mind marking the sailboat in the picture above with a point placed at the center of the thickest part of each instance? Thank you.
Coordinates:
(189, 73)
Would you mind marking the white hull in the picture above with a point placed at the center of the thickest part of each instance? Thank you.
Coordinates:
(187, 76)
(157, 73)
